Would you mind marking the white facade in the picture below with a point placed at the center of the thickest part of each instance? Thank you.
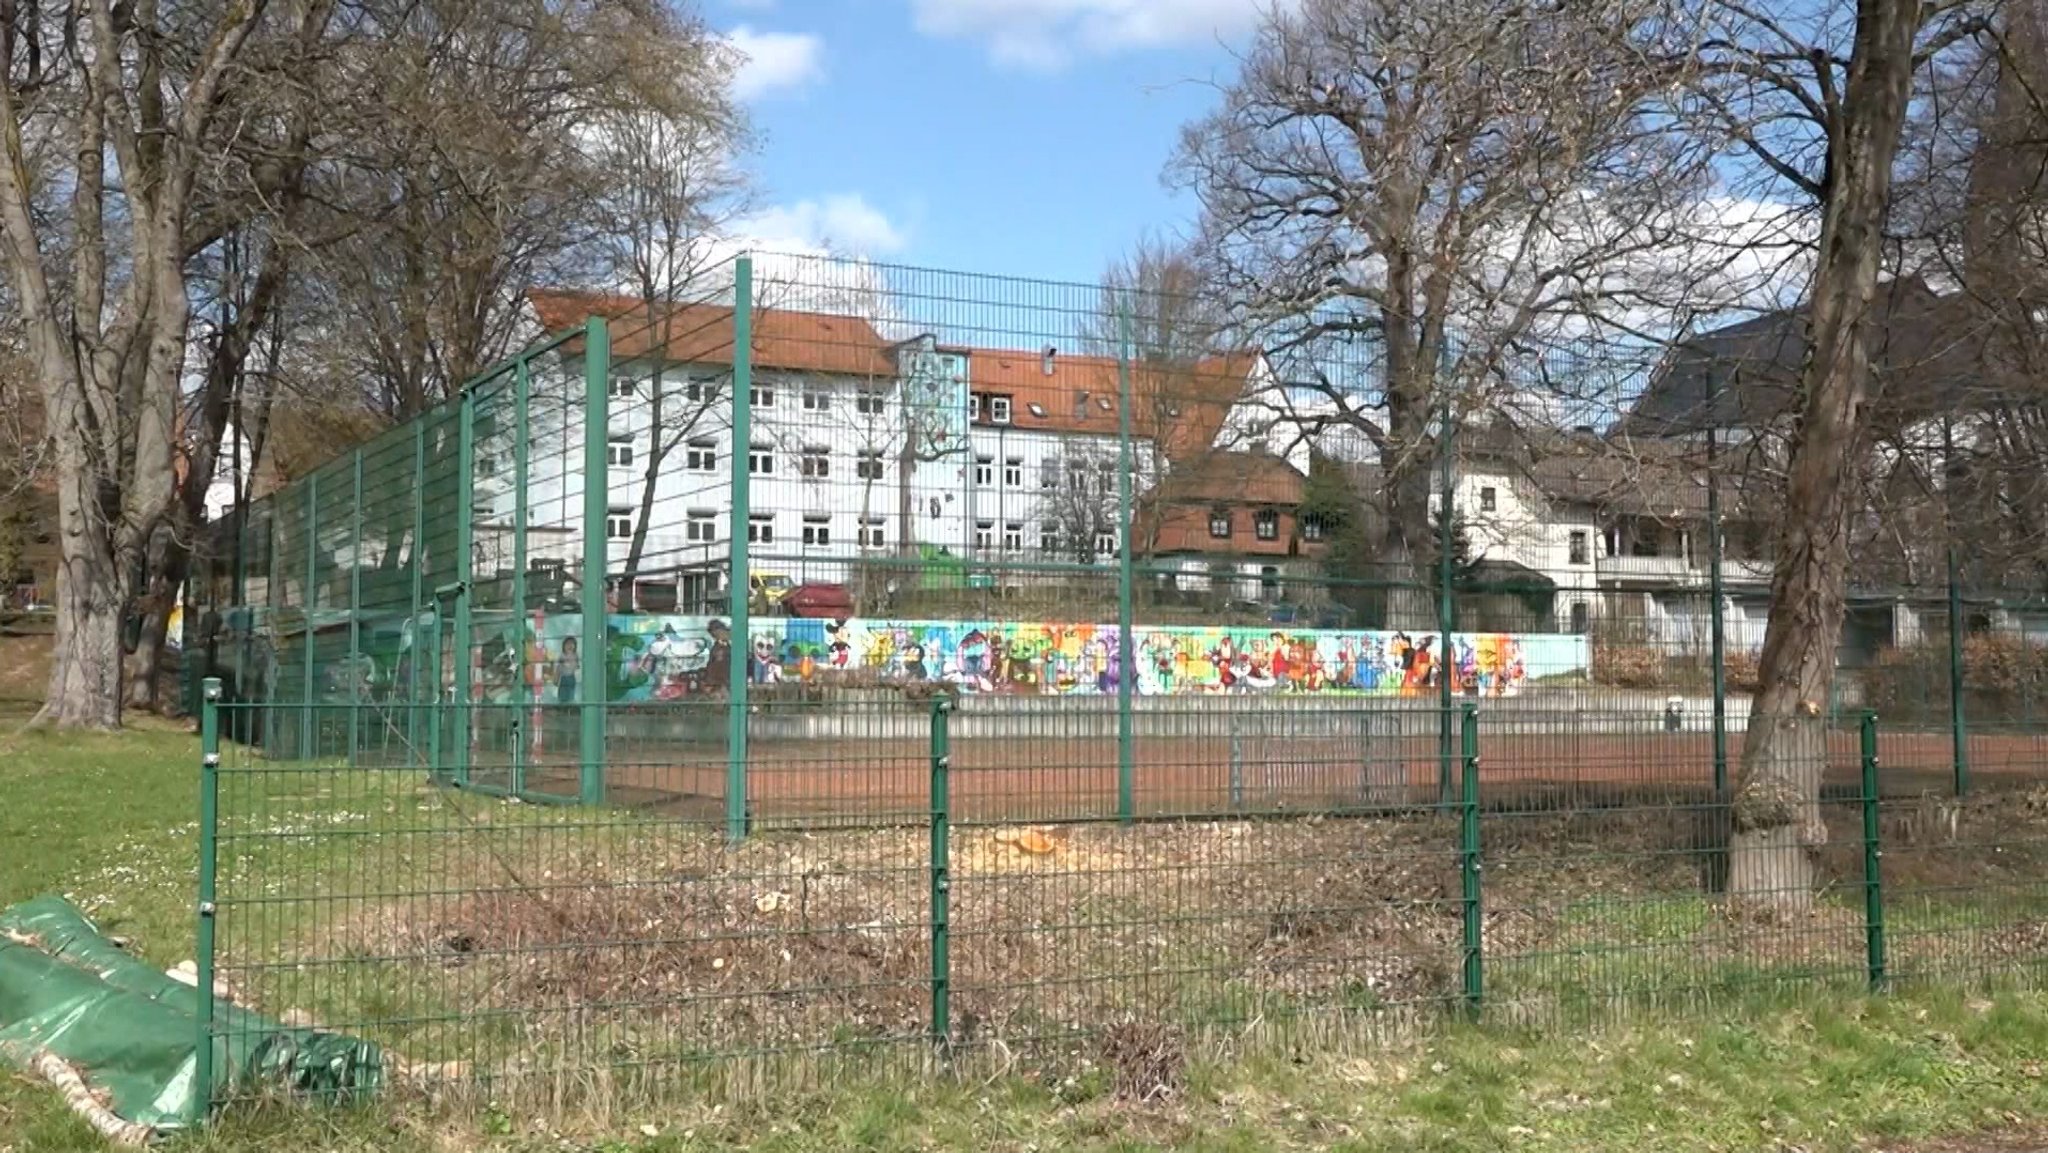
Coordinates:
(840, 466)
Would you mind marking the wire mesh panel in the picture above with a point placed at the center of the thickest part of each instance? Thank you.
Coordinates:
(1618, 888)
(1964, 876)
(914, 663)
(557, 954)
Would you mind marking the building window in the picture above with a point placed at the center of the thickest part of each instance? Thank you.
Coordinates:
(1049, 473)
(1578, 547)
(1013, 536)
(487, 465)
(999, 409)
(984, 535)
(761, 528)
(871, 532)
(818, 530)
(619, 453)
(1049, 540)
(1487, 497)
(984, 471)
(867, 402)
(702, 456)
(868, 465)
(1013, 472)
(618, 523)
(1219, 523)
(1266, 524)
(763, 397)
(1649, 539)
(1311, 528)
(1581, 617)
(702, 526)
(701, 391)
(761, 460)
(974, 406)
(1269, 583)
(1107, 472)
(816, 462)
(1105, 544)
(817, 400)
(624, 388)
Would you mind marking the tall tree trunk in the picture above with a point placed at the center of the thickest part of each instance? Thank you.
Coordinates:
(92, 592)
(169, 563)
(1777, 821)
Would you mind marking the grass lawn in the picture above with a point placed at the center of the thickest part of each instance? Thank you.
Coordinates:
(110, 821)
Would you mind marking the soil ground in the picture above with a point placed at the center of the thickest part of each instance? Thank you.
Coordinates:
(1062, 779)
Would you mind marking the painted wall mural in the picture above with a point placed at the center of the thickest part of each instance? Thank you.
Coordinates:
(662, 658)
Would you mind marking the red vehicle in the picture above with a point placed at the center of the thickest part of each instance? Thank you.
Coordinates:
(817, 599)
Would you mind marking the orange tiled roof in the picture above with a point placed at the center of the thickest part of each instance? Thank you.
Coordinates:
(703, 333)
(1182, 405)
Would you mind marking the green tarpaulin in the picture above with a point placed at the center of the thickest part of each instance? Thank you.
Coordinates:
(132, 1031)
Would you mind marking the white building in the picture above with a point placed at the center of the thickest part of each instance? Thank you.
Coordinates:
(861, 450)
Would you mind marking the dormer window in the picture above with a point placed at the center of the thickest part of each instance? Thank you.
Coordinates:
(999, 409)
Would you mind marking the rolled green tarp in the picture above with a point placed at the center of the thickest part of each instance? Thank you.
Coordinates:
(131, 1032)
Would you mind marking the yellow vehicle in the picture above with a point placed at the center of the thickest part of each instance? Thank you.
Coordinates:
(770, 587)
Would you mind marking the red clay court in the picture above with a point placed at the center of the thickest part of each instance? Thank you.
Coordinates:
(1049, 779)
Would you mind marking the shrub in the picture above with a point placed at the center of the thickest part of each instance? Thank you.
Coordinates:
(2005, 677)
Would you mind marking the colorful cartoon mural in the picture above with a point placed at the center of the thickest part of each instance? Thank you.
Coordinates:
(662, 658)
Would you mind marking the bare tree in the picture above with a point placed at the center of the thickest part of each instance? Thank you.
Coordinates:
(477, 165)
(1817, 107)
(1162, 321)
(1157, 306)
(1084, 508)
(1395, 195)
(115, 106)
(677, 191)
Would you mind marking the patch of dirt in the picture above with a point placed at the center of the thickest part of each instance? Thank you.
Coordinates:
(663, 940)
(24, 668)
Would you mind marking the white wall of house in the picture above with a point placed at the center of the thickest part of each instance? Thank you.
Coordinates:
(827, 464)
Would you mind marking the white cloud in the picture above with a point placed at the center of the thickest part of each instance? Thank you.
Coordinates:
(1050, 33)
(774, 61)
(842, 222)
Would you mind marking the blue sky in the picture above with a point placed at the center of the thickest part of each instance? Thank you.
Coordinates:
(1024, 137)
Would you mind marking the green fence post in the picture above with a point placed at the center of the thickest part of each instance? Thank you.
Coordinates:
(355, 610)
(1469, 864)
(1444, 611)
(244, 685)
(201, 1101)
(308, 599)
(591, 685)
(1126, 739)
(1873, 853)
(1720, 638)
(465, 582)
(522, 687)
(416, 562)
(941, 872)
(738, 580)
(1959, 729)
(1236, 764)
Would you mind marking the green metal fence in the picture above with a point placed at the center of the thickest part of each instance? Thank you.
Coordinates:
(1027, 490)
(579, 955)
(849, 665)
